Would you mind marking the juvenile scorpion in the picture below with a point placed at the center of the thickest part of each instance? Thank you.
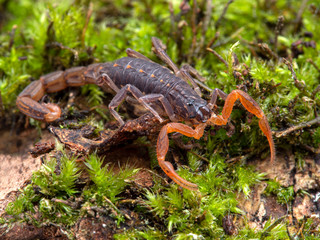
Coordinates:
(155, 87)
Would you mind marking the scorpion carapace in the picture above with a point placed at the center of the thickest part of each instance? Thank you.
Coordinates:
(153, 86)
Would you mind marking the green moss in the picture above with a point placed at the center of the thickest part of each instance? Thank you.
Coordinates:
(284, 194)
(24, 202)
(107, 184)
(188, 213)
(55, 179)
(316, 136)
(53, 190)
(50, 189)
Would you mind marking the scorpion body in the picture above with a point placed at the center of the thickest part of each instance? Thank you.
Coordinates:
(153, 86)
(152, 78)
(148, 77)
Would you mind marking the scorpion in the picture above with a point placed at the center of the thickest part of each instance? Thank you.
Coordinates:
(164, 92)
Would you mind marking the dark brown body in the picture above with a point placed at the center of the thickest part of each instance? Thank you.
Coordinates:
(147, 76)
(151, 78)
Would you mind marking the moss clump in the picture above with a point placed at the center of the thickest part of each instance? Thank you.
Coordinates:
(57, 194)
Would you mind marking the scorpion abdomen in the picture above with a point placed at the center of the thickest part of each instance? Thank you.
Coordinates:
(152, 78)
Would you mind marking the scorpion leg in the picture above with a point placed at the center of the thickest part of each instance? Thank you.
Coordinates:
(193, 72)
(160, 50)
(194, 75)
(165, 103)
(252, 107)
(104, 81)
(137, 94)
(163, 146)
(132, 53)
(216, 92)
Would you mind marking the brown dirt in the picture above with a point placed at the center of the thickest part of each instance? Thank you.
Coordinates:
(259, 207)
(25, 231)
(16, 164)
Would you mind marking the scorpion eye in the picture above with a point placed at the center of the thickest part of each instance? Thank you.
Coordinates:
(204, 113)
(190, 103)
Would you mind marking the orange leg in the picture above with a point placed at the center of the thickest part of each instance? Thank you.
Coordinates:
(252, 107)
(163, 146)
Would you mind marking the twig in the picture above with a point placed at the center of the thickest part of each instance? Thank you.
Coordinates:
(194, 29)
(299, 84)
(206, 20)
(115, 209)
(222, 14)
(299, 126)
(278, 29)
(219, 57)
(216, 36)
(299, 15)
(152, 172)
(89, 13)
(74, 205)
(12, 33)
(1, 106)
(315, 91)
(267, 231)
(311, 149)
(61, 46)
(313, 64)
(136, 201)
(207, 17)
(199, 156)
(240, 158)
(288, 233)
(235, 35)
(300, 231)
(172, 25)
(266, 49)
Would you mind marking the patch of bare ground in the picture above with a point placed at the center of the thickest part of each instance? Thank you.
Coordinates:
(24, 231)
(16, 164)
(259, 207)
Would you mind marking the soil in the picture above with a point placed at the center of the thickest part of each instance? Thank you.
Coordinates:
(16, 164)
